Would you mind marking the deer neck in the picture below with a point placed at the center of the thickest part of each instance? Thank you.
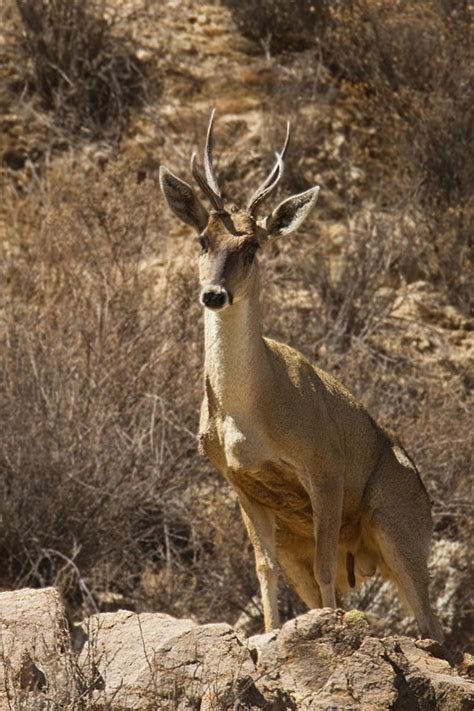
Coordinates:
(236, 367)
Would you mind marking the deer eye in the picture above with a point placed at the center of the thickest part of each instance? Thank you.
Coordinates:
(203, 241)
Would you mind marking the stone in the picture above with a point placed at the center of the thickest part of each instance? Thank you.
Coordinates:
(144, 659)
(35, 649)
(305, 653)
(326, 659)
(441, 685)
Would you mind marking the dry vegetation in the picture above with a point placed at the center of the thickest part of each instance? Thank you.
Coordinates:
(102, 490)
(73, 62)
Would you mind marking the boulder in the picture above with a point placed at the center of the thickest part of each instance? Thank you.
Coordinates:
(136, 661)
(315, 660)
(36, 658)
(326, 659)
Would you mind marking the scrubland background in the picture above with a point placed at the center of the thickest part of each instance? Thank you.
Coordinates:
(102, 490)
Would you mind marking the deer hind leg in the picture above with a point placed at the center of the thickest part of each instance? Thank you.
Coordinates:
(408, 568)
(401, 527)
(295, 558)
(260, 524)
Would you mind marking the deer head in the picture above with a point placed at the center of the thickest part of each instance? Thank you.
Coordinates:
(230, 236)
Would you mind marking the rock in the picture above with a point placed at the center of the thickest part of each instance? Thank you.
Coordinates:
(140, 660)
(35, 649)
(450, 572)
(115, 660)
(365, 678)
(258, 641)
(426, 679)
(305, 650)
(324, 659)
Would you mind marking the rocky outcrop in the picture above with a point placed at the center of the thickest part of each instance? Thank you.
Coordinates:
(324, 659)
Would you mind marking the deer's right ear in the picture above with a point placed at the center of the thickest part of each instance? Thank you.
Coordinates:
(182, 200)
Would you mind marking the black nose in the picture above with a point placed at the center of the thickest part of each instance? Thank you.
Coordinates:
(214, 299)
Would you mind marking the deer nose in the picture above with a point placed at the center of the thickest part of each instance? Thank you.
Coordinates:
(215, 297)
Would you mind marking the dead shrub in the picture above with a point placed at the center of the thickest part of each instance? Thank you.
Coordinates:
(277, 25)
(383, 45)
(82, 72)
(443, 141)
(337, 293)
(414, 61)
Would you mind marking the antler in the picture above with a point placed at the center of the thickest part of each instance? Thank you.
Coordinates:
(271, 182)
(208, 181)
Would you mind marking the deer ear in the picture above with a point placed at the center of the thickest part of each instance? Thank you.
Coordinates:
(291, 213)
(182, 200)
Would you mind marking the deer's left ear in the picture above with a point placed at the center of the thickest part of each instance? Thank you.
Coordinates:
(182, 200)
(291, 213)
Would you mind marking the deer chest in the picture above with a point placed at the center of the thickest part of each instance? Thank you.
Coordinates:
(253, 467)
(233, 446)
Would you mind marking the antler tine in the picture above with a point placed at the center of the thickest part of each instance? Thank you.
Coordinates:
(208, 167)
(267, 187)
(287, 140)
(273, 178)
(207, 181)
(215, 200)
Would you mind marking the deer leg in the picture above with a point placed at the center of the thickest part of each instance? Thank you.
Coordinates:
(295, 558)
(260, 524)
(407, 565)
(327, 512)
(400, 519)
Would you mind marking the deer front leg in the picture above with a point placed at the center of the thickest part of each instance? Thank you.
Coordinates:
(260, 524)
(326, 501)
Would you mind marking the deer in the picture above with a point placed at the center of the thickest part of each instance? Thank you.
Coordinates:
(327, 496)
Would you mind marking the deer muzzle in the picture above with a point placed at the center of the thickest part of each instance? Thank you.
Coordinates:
(215, 297)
